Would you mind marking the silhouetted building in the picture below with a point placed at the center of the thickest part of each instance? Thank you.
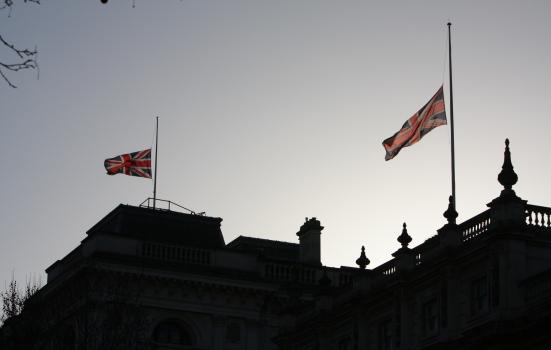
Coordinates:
(482, 284)
(159, 279)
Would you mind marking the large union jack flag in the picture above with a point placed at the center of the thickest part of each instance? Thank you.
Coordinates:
(432, 114)
(134, 164)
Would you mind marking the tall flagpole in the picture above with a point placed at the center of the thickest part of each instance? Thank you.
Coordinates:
(156, 155)
(451, 117)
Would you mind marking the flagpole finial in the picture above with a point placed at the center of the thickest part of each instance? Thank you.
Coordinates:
(449, 24)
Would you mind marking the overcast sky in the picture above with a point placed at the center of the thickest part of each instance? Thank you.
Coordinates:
(270, 112)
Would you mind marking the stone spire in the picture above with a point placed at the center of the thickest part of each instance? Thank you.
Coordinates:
(450, 214)
(362, 261)
(404, 238)
(507, 177)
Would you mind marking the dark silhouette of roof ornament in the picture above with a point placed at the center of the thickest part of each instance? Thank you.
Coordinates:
(404, 238)
(507, 177)
(451, 214)
(405, 256)
(363, 261)
(508, 209)
(450, 234)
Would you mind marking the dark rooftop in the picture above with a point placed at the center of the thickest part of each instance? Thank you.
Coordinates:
(161, 226)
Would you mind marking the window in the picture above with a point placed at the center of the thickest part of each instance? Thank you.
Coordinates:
(385, 335)
(479, 296)
(171, 332)
(430, 317)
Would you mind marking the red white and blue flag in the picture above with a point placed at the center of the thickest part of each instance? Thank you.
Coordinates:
(133, 164)
(432, 114)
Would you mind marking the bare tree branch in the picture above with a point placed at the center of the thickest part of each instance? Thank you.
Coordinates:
(9, 3)
(27, 58)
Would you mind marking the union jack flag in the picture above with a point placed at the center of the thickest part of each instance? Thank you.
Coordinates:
(432, 114)
(134, 164)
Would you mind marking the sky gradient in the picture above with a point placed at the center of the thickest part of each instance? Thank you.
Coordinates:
(270, 112)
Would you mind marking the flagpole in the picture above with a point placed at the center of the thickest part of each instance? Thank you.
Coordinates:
(156, 155)
(451, 117)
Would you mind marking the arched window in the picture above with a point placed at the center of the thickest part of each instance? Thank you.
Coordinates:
(172, 332)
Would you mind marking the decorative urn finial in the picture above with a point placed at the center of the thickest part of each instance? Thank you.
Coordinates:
(451, 214)
(362, 261)
(507, 177)
(404, 238)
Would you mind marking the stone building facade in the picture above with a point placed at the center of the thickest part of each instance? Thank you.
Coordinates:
(162, 279)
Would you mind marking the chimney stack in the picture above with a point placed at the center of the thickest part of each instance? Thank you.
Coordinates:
(309, 238)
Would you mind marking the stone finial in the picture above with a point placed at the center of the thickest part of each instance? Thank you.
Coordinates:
(362, 261)
(507, 177)
(404, 238)
(451, 214)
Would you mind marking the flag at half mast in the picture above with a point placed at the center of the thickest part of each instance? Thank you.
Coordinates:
(432, 114)
(133, 164)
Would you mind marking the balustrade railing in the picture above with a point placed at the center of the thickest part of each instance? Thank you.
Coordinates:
(539, 217)
(284, 272)
(536, 217)
(387, 269)
(475, 226)
(176, 253)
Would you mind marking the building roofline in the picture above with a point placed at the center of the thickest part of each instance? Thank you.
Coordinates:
(258, 240)
(149, 211)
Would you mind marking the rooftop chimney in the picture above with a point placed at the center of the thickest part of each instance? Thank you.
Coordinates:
(309, 238)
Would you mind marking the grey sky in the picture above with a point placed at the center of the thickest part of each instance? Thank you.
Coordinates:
(271, 111)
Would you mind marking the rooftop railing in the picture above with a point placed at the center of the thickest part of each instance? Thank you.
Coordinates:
(163, 204)
(475, 226)
(387, 269)
(174, 253)
(290, 272)
(539, 217)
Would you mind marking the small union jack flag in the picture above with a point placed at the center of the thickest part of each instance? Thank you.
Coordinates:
(432, 114)
(134, 164)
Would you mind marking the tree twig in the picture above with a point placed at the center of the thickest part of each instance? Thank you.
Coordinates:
(27, 57)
